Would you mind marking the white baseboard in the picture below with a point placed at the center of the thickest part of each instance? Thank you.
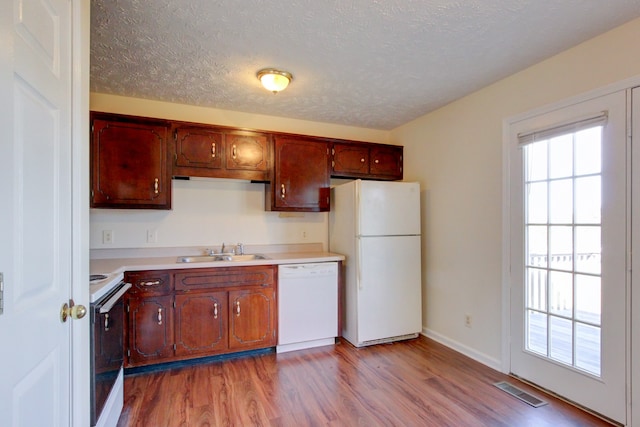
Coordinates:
(491, 362)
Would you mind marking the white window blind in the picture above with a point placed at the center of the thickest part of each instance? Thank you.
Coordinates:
(547, 133)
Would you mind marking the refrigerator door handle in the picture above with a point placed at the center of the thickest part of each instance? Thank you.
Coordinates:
(359, 263)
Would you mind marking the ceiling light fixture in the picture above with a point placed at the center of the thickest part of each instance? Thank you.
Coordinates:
(274, 80)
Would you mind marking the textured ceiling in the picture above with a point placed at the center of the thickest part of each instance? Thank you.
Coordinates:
(368, 63)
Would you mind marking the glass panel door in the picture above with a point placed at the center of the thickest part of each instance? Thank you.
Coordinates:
(562, 246)
(568, 232)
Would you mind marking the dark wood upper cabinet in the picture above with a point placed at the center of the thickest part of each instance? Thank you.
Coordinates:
(301, 176)
(198, 147)
(134, 158)
(366, 161)
(247, 151)
(216, 152)
(129, 162)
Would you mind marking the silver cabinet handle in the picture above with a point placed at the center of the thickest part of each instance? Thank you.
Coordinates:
(237, 308)
(215, 310)
(159, 316)
(213, 149)
(234, 151)
(106, 322)
(283, 192)
(155, 185)
(362, 160)
(376, 161)
(153, 283)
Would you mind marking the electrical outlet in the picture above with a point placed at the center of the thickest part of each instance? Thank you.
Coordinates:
(107, 237)
(152, 236)
(467, 320)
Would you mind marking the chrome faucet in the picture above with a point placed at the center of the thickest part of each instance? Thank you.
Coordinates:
(222, 248)
(239, 249)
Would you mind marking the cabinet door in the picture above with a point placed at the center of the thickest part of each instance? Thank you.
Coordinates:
(129, 164)
(350, 159)
(197, 147)
(252, 318)
(302, 175)
(200, 323)
(247, 151)
(386, 162)
(150, 330)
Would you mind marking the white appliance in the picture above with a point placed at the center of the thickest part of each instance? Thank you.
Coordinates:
(307, 305)
(376, 225)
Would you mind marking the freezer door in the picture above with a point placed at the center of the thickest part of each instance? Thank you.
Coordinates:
(389, 287)
(388, 208)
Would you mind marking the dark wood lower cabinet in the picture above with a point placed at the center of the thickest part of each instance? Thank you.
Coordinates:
(199, 312)
(150, 330)
(252, 320)
(200, 323)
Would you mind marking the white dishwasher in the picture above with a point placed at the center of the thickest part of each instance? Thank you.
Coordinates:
(307, 305)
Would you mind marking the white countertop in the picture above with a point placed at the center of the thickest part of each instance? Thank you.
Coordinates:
(117, 261)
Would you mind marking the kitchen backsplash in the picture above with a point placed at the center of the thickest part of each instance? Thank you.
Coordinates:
(206, 212)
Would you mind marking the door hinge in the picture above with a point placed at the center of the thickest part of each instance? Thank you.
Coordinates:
(128, 353)
(175, 347)
(1, 293)
(127, 308)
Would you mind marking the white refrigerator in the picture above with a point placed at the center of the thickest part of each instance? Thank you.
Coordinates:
(376, 225)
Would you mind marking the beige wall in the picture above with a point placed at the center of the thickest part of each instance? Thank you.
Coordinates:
(456, 154)
(208, 212)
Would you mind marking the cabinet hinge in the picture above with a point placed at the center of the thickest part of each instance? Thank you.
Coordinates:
(174, 303)
(175, 135)
(175, 347)
(128, 353)
(91, 127)
(91, 194)
(333, 151)
(127, 308)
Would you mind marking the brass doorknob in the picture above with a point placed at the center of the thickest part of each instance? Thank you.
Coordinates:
(72, 310)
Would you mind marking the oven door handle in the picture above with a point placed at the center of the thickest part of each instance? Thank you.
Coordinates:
(106, 307)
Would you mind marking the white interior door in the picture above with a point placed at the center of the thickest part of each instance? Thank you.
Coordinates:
(36, 216)
(568, 204)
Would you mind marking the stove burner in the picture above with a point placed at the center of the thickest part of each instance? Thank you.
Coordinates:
(95, 277)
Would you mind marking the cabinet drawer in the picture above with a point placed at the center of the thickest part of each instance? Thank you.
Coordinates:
(145, 283)
(224, 276)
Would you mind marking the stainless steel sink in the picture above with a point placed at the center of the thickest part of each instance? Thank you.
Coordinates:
(221, 257)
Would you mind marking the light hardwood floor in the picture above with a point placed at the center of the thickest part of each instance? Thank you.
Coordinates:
(411, 383)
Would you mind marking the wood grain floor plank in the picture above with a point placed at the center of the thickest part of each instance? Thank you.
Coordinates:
(410, 383)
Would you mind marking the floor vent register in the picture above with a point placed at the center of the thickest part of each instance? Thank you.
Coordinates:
(520, 394)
